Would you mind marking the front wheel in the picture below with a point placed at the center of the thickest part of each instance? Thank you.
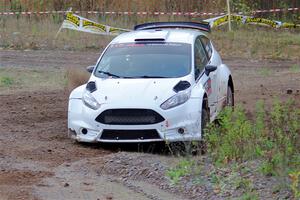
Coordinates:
(229, 97)
(196, 147)
(204, 121)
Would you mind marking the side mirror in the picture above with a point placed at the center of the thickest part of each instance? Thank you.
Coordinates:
(90, 69)
(210, 68)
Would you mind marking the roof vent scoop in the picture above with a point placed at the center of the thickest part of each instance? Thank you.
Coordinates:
(151, 35)
(182, 85)
(149, 40)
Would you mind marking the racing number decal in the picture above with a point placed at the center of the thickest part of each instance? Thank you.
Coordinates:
(207, 87)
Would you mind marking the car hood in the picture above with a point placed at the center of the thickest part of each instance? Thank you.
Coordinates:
(135, 92)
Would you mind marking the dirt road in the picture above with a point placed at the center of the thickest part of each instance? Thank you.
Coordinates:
(37, 159)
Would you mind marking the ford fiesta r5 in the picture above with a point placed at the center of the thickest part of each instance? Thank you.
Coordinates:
(158, 83)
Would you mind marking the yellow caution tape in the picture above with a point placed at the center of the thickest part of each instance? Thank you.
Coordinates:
(76, 22)
(218, 21)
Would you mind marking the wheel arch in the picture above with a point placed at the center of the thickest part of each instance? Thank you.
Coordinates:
(205, 104)
(231, 85)
(205, 101)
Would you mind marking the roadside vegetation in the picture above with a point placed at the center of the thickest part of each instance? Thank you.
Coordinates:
(76, 77)
(15, 79)
(241, 148)
(19, 79)
(246, 41)
(6, 81)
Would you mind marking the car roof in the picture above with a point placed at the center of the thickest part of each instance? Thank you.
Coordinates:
(166, 35)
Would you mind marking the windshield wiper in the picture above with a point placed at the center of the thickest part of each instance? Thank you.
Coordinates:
(109, 74)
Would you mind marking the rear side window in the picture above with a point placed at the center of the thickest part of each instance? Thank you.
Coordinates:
(207, 45)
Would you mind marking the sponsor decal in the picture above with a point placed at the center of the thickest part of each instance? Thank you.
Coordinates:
(207, 87)
(261, 21)
(78, 23)
(73, 19)
(218, 21)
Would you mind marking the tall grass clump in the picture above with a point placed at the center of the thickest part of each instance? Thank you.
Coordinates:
(272, 138)
(76, 77)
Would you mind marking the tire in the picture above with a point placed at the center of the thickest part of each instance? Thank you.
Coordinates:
(200, 147)
(204, 121)
(229, 97)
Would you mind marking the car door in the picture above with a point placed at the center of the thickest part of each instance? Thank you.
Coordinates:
(203, 54)
(201, 60)
(213, 60)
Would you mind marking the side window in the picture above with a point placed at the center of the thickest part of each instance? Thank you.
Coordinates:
(200, 58)
(207, 45)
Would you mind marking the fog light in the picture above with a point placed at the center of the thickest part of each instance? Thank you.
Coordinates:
(84, 131)
(181, 131)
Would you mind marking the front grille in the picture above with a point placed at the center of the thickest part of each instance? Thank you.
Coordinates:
(129, 135)
(129, 117)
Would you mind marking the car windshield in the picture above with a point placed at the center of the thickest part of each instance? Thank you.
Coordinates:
(145, 60)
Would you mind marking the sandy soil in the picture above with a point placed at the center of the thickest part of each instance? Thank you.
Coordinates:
(38, 161)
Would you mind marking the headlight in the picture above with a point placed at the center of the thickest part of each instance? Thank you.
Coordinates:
(176, 100)
(90, 101)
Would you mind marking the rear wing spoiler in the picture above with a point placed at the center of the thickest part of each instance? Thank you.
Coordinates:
(202, 26)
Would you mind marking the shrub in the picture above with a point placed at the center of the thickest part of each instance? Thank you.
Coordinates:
(273, 137)
(229, 139)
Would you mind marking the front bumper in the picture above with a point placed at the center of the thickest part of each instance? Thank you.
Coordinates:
(184, 118)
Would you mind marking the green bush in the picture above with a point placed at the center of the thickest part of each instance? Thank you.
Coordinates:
(229, 139)
(273, 137)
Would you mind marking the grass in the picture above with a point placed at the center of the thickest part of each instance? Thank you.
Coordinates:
(295, 185)
(32, 79)
(245, 42)
(6, 81)
(182, 169)
(255, 42)
(295, 69)
(273, 138)
(265, 72)
(76, 77)
(239, 147)
(18, 79)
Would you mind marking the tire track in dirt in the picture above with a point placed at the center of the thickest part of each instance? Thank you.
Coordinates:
(33, 141)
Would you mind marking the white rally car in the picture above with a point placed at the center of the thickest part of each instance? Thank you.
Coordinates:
(161, 82)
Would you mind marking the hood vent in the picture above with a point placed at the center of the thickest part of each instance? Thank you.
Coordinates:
(91, 87)
(182, 85)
